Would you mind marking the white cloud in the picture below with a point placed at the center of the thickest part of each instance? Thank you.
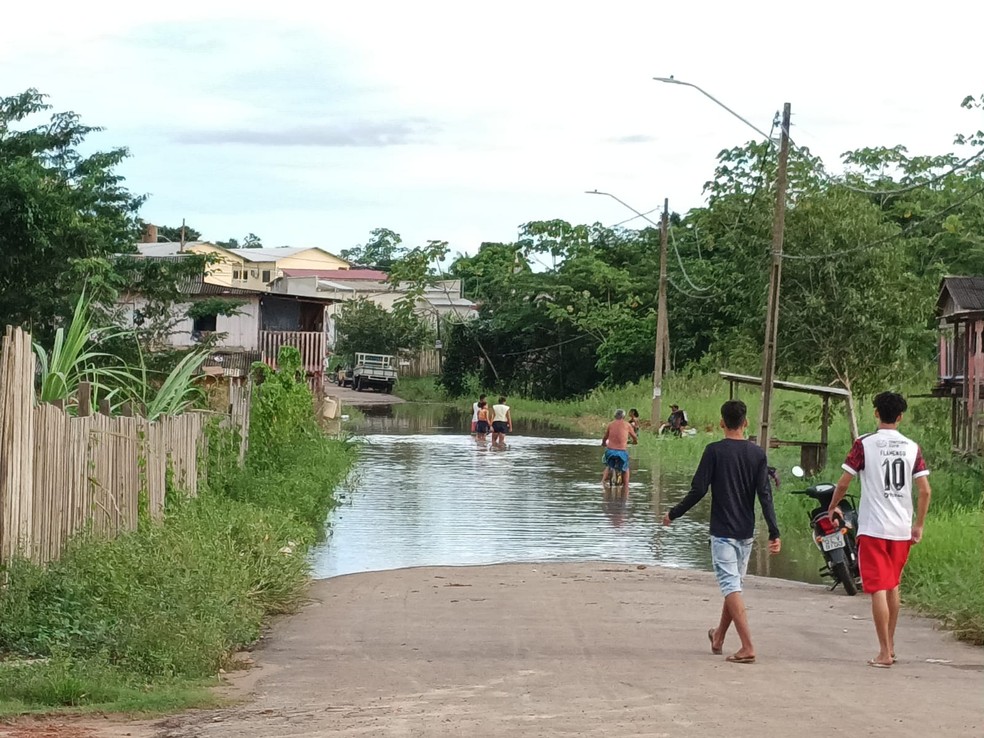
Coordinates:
(461, 120)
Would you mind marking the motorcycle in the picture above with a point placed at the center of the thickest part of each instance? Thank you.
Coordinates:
(835, 538)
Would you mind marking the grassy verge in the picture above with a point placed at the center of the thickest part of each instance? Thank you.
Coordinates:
(145, 622)
(420, 389)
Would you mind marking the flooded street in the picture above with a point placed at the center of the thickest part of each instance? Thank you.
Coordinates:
(425, 493)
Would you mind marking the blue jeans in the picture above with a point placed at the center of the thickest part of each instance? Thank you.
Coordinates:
(730, 559)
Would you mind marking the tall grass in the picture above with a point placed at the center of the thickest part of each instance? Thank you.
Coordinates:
(144, 621)
(944, 577)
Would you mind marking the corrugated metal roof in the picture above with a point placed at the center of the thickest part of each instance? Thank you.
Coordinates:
(273, 254)
(450, 300)
(266, 254)
(166, 248)
(966, 293)
(233, 363)
(198, 286)
(336, 275)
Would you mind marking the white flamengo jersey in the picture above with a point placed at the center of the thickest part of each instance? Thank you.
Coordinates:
(886, 462)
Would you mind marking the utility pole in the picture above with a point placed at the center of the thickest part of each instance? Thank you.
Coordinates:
(662, 329)
(775, 278)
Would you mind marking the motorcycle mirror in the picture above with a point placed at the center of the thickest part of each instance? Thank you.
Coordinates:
(798, 472)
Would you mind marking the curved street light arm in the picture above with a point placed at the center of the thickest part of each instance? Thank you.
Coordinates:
(709, 96)
(644, 216)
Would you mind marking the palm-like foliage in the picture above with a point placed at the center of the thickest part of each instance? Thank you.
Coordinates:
(73, 360)
(175, 394)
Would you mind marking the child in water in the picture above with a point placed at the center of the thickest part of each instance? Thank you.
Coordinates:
(482, 425)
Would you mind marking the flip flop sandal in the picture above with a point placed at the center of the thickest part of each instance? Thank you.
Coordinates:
(735, 659)
(878, 664)
(710, 637)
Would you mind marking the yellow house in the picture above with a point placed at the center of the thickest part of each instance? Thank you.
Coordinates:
(256, 268)
(251, 269)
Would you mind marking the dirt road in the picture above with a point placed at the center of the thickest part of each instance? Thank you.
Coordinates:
(590, 650)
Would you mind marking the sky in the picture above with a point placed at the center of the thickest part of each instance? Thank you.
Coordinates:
(310, 124)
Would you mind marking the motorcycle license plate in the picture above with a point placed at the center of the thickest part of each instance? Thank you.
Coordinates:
(832, 541)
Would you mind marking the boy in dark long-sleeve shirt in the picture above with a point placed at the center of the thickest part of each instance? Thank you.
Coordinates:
(736, 472)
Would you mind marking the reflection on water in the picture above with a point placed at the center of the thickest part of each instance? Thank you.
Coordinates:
(425, 493)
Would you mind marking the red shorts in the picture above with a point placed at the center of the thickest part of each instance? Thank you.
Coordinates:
(881, 562)
(474, 426)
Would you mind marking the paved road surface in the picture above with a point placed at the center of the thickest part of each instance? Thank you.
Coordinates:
(590, 650)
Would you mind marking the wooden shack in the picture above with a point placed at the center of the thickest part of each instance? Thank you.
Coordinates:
(960, 309)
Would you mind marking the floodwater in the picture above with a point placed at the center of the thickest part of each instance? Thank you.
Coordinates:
(424, 493)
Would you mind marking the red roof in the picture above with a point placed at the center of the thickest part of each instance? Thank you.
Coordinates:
(337, 275)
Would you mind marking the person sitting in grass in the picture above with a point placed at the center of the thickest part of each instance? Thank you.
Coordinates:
(677, 423)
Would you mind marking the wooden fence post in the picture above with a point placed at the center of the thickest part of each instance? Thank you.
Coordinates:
(84, 394)
(16, 444)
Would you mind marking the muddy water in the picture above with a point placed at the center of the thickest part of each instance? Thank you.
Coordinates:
(425, 493)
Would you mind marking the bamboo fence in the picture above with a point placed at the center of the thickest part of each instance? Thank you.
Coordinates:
(62, 473)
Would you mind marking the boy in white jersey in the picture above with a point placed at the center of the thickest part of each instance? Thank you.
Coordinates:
(888, 464)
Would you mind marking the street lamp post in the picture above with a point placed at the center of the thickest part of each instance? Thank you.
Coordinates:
(775, 276)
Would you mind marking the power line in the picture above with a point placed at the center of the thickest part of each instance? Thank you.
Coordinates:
(634, 217)
(682, 269)
(689, 294)
(899, 190)
(544, 348)
(886, 239)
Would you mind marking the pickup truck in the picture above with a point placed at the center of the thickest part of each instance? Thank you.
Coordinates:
(374, 371)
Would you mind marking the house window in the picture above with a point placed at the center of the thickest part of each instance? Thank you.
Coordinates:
(204, 324)
(236, 275)
(266, 275)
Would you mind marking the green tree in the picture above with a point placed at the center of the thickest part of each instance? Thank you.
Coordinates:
(850, 314)
(518, 344)
(379, 252)
(252, 241)
(57, 207)
(365, 327)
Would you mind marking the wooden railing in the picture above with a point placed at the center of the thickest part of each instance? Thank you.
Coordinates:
(311, 344)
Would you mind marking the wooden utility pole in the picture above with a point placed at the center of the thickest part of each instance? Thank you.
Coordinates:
(662, 328)
(775, 278)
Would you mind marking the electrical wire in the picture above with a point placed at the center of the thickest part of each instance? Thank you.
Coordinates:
(886, 239)
(899, 190)
(682, 269)
(688, 294)
(634, 217)
(553, 345)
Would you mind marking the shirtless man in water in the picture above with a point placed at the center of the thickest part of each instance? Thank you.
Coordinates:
(616, 443)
